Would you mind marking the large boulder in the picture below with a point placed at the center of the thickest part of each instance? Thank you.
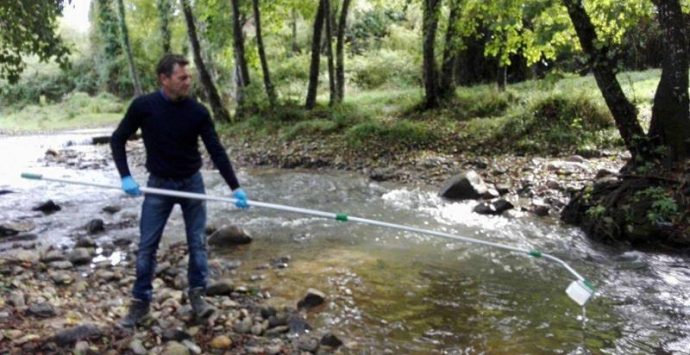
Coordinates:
(468, 185)
(229, 236)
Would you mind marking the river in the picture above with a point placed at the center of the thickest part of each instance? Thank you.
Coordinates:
(390, 291)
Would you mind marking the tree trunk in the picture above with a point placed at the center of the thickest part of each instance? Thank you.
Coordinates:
(164, 10)
(238, 43)
(339, 53)
(295, 47)
(270, 90)
(315, 56)
(220, 114)
(502, 77)
(110, 46)
(431, 10)
(447, 84)
(329, 53)
(128, 48)
(670, 125)
(623, 111)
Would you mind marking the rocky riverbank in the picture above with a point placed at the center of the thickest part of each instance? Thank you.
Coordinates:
(59, 300)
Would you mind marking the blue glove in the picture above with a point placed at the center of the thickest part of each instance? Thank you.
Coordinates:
(241, 198)
(130, 186)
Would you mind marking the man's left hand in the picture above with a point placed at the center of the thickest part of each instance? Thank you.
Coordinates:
(240, 199)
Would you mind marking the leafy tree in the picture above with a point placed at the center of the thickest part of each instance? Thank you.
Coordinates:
(124, 33)
(270, 90)
(219, 112)
(315, 56)
(28, 27)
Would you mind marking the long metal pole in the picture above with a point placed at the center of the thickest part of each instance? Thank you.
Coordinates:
(337, 216)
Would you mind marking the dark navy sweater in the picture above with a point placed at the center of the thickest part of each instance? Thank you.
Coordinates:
(171, 131)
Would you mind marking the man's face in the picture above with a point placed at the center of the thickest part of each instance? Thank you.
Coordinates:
(178, 84)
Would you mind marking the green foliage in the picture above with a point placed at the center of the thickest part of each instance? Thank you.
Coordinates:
(384, 67)
(663, 207)
(554, 123)
(29, 28)
(596, 212)
(77, 110)
(400, 133)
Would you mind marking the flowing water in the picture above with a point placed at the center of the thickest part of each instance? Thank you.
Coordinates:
(392, 291)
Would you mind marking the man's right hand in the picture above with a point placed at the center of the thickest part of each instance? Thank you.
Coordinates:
(130, 186)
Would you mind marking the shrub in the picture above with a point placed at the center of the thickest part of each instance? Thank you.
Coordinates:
(384, 67)
(404, 133)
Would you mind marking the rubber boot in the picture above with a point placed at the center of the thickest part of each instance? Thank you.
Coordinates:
(200, 309)
(138, 309)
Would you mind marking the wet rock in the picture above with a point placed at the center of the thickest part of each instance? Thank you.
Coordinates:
(307, 343)
(221, 342)
(24, 237)
(468, 185)
(329, 339)
(192, 346)
(137, 347)
(243, 326)
(493, 208)
(95, 226)
(176, 334)
(80, 332)
(229, 236)
(268, 312)
(313, 298)
(111, 209)
(502, 189)
(123, 241)
(297, 324)
(14, 228)
(47, 207)
(42, 310)
(540, 209)
(602, 173)
(53, 255)
(175, 348)
(61, 278)
(85, 242)
(25, 256)
(81, 348)
(100, 140)
(5, 192)
(221, 288)
(60, 265)
(79, 256)
(383, 174)
(278, 319)
(16, 299)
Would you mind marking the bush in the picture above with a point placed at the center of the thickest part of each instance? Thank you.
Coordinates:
(559, 123)
(404, 133)
(384, 67)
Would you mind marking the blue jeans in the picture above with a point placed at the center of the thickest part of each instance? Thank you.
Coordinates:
(154, 215)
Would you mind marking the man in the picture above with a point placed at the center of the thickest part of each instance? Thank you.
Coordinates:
(171, 123)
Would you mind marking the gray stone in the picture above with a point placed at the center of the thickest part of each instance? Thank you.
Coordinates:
(95, 226)
(43, 310)
(493, 208)
(229, 236)
(221, 288)
(80, 256)
(307, 343)
(175, 348)
(80, 332)
(60, 265)
(137, 347)
(313, 298)
(468, 185)
(329, 339)
(47, 207)
(53, 255)
(16, 298)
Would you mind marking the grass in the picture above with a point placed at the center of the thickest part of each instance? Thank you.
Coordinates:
(558, 115)
(77, 110)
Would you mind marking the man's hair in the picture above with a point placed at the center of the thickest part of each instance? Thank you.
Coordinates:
(167, 63)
